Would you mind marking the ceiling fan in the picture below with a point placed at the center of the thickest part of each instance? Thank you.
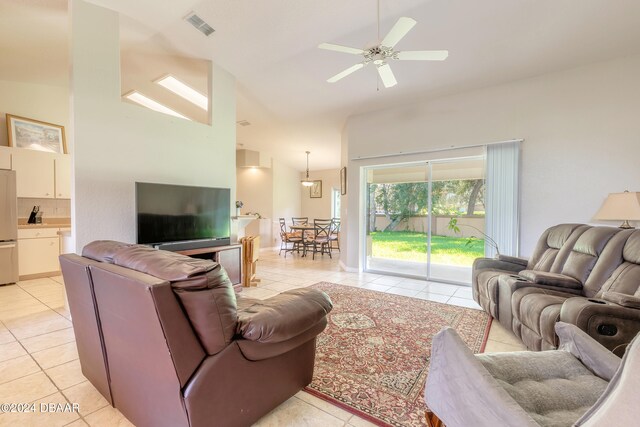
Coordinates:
(384, 51)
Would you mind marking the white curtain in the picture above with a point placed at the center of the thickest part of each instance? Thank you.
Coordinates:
(502, 201)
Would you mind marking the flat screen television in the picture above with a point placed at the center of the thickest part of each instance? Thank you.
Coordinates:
(177, 217)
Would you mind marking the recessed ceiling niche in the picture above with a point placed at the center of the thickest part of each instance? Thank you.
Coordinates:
(154, 76)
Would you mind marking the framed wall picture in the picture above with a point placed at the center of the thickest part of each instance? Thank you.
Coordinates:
(343, 181)
(35, 135)
(315, 191)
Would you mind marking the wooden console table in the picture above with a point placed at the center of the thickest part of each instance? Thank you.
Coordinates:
(229, 257)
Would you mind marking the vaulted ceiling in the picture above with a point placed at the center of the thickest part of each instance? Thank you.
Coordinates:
(271, 48)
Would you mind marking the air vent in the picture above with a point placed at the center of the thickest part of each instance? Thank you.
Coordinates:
(199, 24)
(243, 123)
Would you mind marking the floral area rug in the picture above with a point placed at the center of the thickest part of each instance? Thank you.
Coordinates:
(373, 358)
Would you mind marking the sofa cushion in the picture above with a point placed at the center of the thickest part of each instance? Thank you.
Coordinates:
(210, 303)
(202, 286)
(540, 312)
(553, 387)
(551, 249)
(586, 251)
(626, 279)
(631, 251)
(103, 250)
(536, 312)
(164, 265)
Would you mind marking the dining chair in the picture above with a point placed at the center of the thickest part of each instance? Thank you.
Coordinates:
(288, 238)
(300, 221)
(319, 242)
(334, 235)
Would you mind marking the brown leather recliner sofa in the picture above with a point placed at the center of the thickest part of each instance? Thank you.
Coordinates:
(165, 339)
(585, 275)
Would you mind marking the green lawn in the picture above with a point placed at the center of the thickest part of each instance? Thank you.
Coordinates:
(412, 246)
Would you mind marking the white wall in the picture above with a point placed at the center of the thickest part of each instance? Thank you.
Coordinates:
(255, 190)
(274, 193)
(581, 132)
(286, 195)
(35, 101)
(321, 207)
(117, 144)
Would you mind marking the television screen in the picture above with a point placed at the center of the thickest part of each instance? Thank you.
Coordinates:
(177, 213)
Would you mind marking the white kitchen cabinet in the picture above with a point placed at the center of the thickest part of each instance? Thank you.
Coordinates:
(63, 176)
(67, 245)
(41, 175)
(34, 173)
(5, 158)
(39, 255)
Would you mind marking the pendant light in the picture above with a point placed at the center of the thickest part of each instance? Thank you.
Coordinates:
(307, 182)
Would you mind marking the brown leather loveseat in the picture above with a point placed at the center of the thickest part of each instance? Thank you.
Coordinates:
(580, 274)
(165, 339)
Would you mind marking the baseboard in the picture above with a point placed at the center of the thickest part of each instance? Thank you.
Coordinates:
(344, 267)
(39, 275)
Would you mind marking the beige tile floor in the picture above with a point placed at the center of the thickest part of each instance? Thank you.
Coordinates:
(39, 362)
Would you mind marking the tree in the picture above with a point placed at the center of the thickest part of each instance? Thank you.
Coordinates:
(473, 197)
(400, 201)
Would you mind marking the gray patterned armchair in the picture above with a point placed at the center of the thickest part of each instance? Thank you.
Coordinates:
(580, 384)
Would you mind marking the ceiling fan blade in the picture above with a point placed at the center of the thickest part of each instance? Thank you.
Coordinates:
(422, 55)
(339, 48)
(345, 73)
(399, 30)
(388, 79)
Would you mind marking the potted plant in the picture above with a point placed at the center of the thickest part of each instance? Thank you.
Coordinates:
(453, 226)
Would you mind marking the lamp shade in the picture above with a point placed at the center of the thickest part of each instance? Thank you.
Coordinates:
(620, 207)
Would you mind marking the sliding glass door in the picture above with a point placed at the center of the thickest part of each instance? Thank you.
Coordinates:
(425, 220)
(396, 221)
(457, 218)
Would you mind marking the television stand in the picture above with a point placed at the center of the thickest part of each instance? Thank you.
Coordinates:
(228, 256)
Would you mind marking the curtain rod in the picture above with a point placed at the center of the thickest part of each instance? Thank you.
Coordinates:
(434, 150)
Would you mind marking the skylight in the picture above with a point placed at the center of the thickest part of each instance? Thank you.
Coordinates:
(181, 89)
(139, 98)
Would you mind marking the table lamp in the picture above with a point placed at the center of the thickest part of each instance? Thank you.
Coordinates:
(620, 207)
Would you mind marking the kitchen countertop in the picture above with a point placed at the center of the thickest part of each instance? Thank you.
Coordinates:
(49, 223)
(43, 225)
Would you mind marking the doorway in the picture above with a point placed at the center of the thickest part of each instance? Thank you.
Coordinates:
(425, 220)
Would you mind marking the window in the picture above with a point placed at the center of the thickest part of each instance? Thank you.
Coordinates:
(335, 203)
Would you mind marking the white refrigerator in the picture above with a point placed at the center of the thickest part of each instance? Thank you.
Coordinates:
(8, 228)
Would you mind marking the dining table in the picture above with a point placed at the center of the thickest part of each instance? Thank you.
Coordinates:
(304, 228)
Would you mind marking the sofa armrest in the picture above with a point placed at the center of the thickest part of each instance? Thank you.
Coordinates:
(496, 264)
(618, 405)
(624, 300)
(591, 353)
(461, 392)
(283, 316)
(551, 279)
(513, 260)
(612, 325)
